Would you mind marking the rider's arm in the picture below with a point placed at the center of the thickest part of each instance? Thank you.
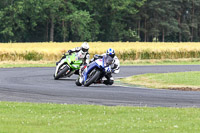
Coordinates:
(87, 59)
(77, 49)
(116, 65)
(96, 56)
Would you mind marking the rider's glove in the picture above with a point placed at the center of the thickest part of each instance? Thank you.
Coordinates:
(113, 71)
(69, 51)
(96, 56)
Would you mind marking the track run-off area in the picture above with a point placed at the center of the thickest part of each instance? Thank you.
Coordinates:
(38, 85)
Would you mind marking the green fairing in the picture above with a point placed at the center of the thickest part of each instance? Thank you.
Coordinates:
(73, 61)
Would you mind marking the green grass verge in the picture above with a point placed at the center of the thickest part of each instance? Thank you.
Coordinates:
(160, 63)
(51, 118)
(10, 64)
(178, 80)
(26, 65)
(163, 62)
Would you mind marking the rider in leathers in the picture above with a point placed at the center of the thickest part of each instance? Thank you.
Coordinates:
(115, 66)
(82, 54)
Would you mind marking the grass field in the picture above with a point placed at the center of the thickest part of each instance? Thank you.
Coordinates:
(124, 50)
(62, 118)
(98, 47)
(180, 80)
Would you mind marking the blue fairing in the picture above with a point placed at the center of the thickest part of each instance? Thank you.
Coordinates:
(103, 62)
(89, 69)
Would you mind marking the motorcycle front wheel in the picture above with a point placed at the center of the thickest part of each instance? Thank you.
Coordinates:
(92, 77)
(61, 72)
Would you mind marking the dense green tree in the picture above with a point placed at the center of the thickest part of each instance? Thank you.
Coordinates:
(176, 20)
(115, 18)
(99, 20)
(12, 25)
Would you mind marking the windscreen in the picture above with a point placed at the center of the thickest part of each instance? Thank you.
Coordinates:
(108, 60)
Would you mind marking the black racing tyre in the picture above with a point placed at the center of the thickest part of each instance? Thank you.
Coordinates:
(61, 73)
(111, 82)
(78, 83)
(94, 76)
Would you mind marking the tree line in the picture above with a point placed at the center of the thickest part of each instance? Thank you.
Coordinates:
(99, 20)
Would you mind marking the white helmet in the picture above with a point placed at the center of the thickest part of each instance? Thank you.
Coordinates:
(85, 47)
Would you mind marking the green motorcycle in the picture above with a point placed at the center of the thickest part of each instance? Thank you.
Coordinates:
(68, 65)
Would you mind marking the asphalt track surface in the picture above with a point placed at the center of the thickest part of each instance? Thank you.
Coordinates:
(38, 85)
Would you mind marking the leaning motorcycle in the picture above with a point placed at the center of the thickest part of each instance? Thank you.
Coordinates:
(95, 71)
(67, 66)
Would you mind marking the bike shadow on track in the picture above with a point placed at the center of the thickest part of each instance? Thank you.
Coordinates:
(66, 80)
(92, 85)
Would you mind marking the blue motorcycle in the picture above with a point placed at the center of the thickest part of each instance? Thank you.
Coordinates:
(95, 71)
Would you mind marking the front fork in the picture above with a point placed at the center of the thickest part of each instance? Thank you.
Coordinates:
(81, 77)
(58, 66)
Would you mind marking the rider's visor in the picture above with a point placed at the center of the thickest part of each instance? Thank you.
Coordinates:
(84, 50)
(112, 55)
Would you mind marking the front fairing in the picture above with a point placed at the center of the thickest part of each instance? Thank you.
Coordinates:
(97, 64)
(92, 66)
(73, 61)
(60, 65)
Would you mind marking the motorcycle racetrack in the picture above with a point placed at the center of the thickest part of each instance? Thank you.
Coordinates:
(38, 85)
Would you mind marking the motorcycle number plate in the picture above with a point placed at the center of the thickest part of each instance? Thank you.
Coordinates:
(108, 69)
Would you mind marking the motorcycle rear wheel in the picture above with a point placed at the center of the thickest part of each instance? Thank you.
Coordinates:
(78, 83)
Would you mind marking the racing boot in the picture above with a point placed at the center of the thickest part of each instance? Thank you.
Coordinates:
(109, 80)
